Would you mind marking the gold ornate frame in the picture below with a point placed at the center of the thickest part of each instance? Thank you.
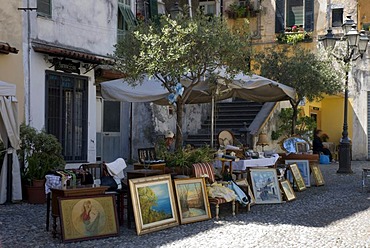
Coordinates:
(287, 190)
(297, 177)
(154, 204)
(317, 175)
(192, 200)
(83, 218)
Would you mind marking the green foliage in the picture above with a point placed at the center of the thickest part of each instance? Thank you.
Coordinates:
(293, 38)
(40, 152)
(241, 11)
(312, 75)
(148, 199)
(185, 157)
(303, 127)
(181, 48)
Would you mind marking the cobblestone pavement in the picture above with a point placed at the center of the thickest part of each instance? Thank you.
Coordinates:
(334, 215)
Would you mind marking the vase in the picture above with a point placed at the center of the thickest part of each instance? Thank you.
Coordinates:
(36, 195)
(38, 182)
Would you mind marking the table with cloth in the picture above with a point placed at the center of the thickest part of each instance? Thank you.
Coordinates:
(243, 164)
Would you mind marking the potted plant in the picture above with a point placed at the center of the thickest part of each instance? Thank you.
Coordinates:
(241, 11)
(180, 161)
(40, 153)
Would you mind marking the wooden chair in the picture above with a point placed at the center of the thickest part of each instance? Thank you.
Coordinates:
(98, 170)
(146, 154)
(207, 168)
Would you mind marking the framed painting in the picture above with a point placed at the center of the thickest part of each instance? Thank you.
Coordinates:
(287, 190)
(243, 183)
(296, 177)
(153, 202)
(317, 175)
(83, 218)
(304, 169)
(265, 186)
(301, 147)
(192, 200)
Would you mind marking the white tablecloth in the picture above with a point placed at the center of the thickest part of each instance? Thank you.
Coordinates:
(248, 163)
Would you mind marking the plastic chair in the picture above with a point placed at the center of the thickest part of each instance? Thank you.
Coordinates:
(207, 168)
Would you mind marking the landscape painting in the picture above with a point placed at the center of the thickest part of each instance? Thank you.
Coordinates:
(192, 200)
(153, 203)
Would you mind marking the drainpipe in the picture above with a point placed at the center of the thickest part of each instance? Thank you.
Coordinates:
(27, 87)
(328, 10)
(190, 10)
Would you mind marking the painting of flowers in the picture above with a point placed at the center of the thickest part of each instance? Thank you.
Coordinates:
(153, 203)
(192, 200)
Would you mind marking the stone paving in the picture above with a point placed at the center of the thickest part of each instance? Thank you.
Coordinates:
(334, 215)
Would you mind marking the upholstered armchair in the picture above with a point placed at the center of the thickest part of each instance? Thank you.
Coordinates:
(202, 169)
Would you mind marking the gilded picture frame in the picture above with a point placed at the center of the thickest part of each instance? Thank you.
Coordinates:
(304, 169)
(317, 175)
(83, 218)
(154, 204)
(296, 177)
(287, 190)
(265, 186)
(302, 147)
(192, 200)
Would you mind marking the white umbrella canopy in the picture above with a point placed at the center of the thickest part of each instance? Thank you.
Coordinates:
(10, 176)
(254, 88)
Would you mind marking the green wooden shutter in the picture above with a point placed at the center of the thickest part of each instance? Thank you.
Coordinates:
(127, 14)
(153, 5)
(309, 15)
(279, 16)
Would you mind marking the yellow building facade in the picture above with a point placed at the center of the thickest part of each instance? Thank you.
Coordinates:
(329, 113)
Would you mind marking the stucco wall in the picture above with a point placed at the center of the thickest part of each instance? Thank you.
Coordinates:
(11, 65)
(79, 24)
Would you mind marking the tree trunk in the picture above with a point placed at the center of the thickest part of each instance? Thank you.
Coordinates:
(294, 118)
(179, 116)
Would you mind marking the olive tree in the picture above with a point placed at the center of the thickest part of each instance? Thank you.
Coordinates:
(184, 48)
(312, 75)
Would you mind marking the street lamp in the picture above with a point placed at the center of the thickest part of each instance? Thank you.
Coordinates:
(175, 10)
(356, 42)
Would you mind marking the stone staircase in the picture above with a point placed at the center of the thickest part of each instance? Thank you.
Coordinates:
(233, 116)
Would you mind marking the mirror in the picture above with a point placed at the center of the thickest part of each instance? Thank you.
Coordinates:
(295, 145)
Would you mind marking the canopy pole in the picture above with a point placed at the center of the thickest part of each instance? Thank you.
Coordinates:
(212, 119)
(9, 190)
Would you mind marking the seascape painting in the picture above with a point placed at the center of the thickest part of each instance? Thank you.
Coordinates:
(153, 203)
(192, 200)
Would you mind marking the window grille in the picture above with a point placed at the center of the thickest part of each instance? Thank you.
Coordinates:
(66, 113)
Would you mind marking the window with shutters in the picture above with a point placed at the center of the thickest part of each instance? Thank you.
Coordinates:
(125, 18)
(147, 10)
(44, 8)
(294, 16)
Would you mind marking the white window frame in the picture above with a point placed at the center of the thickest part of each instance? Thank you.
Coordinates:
(206, 3)
(286, 14)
